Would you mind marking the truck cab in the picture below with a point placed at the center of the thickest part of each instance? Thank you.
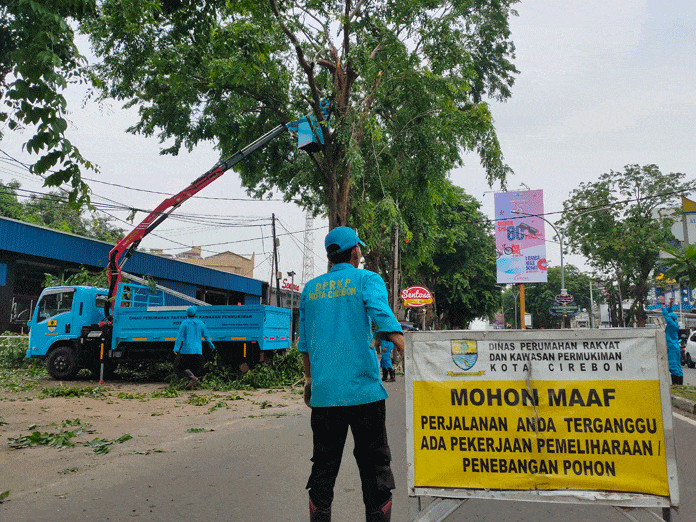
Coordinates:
(57, 323)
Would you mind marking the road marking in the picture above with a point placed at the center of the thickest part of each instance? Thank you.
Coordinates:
(685, 419)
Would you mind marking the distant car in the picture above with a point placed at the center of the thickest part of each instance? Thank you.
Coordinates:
(689, 357)
(407, 326)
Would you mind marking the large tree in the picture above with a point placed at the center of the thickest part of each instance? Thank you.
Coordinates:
(615, 223)
(38, 59)
(453, 255)
(406, 83)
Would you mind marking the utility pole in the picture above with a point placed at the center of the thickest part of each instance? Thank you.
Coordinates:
(275, 261)
(591, 307)
(395, 272)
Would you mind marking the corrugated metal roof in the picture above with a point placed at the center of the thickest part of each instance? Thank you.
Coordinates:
(25, 238)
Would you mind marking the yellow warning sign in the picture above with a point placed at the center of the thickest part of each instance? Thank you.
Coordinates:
(553, 435)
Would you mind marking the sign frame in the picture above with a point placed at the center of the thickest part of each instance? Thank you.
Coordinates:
(417, 340)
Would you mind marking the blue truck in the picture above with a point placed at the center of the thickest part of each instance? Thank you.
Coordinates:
(69, 331)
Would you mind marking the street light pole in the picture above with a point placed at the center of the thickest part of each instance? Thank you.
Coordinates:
(515, 301)
(561, 237)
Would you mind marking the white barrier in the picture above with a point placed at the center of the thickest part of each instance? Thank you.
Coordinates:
(571, 416)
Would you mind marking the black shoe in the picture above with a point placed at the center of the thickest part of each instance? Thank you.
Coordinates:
(318, 515)
(383, 514)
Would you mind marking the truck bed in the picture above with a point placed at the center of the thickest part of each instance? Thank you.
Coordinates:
(268, 326)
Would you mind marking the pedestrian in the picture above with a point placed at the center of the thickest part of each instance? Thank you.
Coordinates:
(388, 373)
(189, 347)
(342, 377)
(672, 337)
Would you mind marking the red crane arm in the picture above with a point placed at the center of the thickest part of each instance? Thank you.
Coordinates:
(125, 248)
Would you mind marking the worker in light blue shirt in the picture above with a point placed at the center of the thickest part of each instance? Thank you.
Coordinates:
(342, 376)
(672, 338)
(388, 373)
(188, 346)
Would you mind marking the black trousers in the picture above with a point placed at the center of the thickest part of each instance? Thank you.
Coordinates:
(184, 361)
(330, 426)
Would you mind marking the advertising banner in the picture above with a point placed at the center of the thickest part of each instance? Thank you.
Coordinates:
(519, 237)
(553, 416)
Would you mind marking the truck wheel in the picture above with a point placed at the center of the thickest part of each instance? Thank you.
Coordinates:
(62, 363)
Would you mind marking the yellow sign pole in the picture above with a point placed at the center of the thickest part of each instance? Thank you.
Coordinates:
(522, 314)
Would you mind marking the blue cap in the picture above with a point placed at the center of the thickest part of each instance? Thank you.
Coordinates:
(191, 311)
(345, 238)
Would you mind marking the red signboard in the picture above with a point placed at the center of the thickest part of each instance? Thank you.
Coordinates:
(416, 296)
(288, 285)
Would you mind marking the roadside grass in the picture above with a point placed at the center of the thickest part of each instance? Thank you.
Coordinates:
(686, 392)
(17, 373)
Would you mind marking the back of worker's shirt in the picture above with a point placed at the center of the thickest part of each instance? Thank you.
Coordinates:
(191, 332)
(336, 311)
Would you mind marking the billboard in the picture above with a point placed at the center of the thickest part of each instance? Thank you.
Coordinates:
(546, 416)
(519, 237)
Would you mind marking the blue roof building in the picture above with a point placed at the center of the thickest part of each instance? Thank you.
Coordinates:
(29, 251)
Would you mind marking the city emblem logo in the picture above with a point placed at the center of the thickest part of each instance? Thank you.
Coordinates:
(464, 353)
(52, 325)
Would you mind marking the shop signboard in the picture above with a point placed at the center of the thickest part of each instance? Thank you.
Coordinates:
(416, 296)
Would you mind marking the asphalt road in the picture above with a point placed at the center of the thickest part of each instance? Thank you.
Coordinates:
(255, 471)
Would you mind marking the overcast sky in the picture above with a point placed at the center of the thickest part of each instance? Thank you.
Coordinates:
(602, 84)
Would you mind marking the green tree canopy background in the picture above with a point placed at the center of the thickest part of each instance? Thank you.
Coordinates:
(623, 237)
(53, 211)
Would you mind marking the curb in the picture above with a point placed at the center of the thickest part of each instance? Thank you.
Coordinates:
(683, 404)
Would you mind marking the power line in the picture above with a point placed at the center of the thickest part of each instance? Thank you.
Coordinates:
(92, 180)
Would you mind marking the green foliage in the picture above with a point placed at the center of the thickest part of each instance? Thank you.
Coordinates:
(103, 446)
(406, 83)
(3, 496)
(59, 439)
(539, 297)
(38, 59)
(53, 211)
(682, 265)
(452, 253)
(613, 223)
(198, 400)
(13, 352)
(283, 370)
(82, 278)
(167, 393)
(75, 391)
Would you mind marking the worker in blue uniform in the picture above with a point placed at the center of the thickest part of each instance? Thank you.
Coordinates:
(388, 372)
(672, 337)
(188, 346)
(342, 377)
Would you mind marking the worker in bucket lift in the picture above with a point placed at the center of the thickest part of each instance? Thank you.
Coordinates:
(342, 377)
(672, 337)
(189, 347)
